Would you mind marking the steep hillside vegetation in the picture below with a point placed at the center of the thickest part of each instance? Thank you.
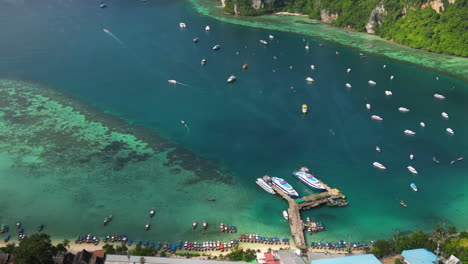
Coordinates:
(439, 26)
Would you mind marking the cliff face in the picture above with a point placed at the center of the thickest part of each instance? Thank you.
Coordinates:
(376, 17)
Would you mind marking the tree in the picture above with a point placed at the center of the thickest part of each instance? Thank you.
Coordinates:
(142, 260)
(452, 230)
(8, 249)
(141, 251)
(59, 248)
(108, 249)
(121, 249)
(66, 243)
(381, 248)
(34, 249)
(398, 261)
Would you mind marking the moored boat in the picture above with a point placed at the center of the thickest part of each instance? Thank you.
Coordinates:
(231, 79)
(388, 93)
(411, 156)
(371, 82)
(403, 203)
(309, 79)
(378, 149)
(409, 132)
(403, 109)
(376, 118)
(207, 28)
(444, 115)
(260, 182)
(152, 212)
(263, 42)
(304, 109)
(348, 85)
(203, 62)
(271, 37)
(147, 226)
(422, 124)
(245, 66)
(412, 170)
(194, 224)
(284, 186)
(439, 96)
(285, 215)
(379, 166)
(368, 106)
(205, 225)
(182, 25)
(450, 131)
(414, 187)
(217, 47)
(434, 159)
(195, 40)
(308, 179)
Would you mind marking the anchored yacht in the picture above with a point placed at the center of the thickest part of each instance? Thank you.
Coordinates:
(260, 182)
(376, 118)
(403, 109)
(412, 170)
(439, 96)
(284, 186)
(309, 180)
(379, 166)
(409, 132)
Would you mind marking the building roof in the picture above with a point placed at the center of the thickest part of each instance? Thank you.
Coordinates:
(419, 256)
(269, 257)
(120, 259)
(357, 259)
(453, 260)
(98, 253)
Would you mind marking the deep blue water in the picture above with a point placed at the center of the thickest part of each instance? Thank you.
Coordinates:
(254, 126)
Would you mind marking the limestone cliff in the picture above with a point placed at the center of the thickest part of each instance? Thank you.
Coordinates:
(326, 17)
(376, 17)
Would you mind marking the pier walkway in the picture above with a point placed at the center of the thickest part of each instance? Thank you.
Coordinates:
(295, 222)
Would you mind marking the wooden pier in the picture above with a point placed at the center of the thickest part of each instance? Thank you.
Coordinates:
(295, 222)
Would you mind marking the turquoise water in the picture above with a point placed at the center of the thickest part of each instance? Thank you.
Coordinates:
(249, 128)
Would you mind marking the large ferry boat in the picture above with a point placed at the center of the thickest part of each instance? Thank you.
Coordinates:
(284, 186)
(307, 178)
(260, 182)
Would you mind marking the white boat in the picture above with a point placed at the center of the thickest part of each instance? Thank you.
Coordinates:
(285, 215)
(439, 96)
(207, 28)
(388, 93)
(371, 82)
(271, 37)
(422, 124)
(403, 109)
(260, 182)
(216, 47)
(414, 187)
(307, 46)
(182, 25)
(411, 157)
(309, 79)
(384, 66)
(450, 131)
(284, 186)
(378, 149)
(203, 61)
(368, 106)
(172, 81)
(152, 212)
(412, 170)
(308, 179)
(231, 79)
(409, 132)
(312, 67)
(391, 77)
(263, 42)
(445, 115)
(379, 166)
(348, 70)
(376, 118)
(304, 109)
(348, 85)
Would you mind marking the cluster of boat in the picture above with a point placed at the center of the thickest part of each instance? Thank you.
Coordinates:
(302, 174)
(210, 245)
(253, 238)
(204, 225)
(227, 228)
(337, 202)
(338, 245)
(88, 239)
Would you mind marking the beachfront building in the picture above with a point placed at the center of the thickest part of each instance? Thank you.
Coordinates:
(356, 259)
(419, 256)
(121, 259)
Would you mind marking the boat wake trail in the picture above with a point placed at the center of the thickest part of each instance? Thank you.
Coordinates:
(108, 32)
(185, 125)
(177, 82)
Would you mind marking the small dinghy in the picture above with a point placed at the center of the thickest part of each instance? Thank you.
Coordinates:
(422, 124)
(371, 82)
(231, 79)
(271, 37)
(40, 228)
(285, 215)
(304, 109)
(312, 67)
(216, 47)
(207, 28)
(152, 212)
(444, 115)
(414, 187)
(412, 170)
(376, 118)
(434, 159)
(263, 42)
(205, 225)
(368, 106)
(450, 131)
(195, 40)
(439, 96)
(403, 109)
(388, 93)
(348, 85)
(194, 224)
(456, 160)
(147, 226)
(379, 166)
(378, 149)
(391, 77)
(182, 25)
(245, 66)
(403, 203)
(348, 70)
(309, 79)
(203, 62)
(102, 5)
(409, 132)
(411, 157)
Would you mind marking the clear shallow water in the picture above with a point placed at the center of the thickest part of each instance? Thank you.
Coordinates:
(252, 127)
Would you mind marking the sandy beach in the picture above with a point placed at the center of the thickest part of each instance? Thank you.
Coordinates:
(289, 14)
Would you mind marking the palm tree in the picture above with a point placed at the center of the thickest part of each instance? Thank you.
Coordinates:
(66, 243)
(142, 260)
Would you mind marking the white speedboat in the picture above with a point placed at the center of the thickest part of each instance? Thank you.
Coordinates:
(285, 215)
(450, 131)
(203, 61)
(308, 179)
(388, 93)
(152, 212)
(409, 132)
(182, 25)
(412, 170)
(422, 124)
(391, 77)
(368, 106)
(376, 118)
(379, 166)
(403, 109)
(411, 157)
(348, 70)
(207, 28)
(263, 42)
(216, 47)
(307, 46)
(378, 149)
(284, 186)
(414, 187)
(147, 226)
(260, 182)
(312, 67)
(309, 79)
(371, 82)
(348, 85)
(271, 37)
(439, 96)
(231, 79)
(445, 115)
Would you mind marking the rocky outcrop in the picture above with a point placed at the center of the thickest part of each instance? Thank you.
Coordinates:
(223, 3)
(326, 17)
(256, 4)
(376, 17)
(236, 10)
(437, 5)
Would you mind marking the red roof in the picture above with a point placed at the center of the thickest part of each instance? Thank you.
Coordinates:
(269, 257)
(274, 262)
(98, 253)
